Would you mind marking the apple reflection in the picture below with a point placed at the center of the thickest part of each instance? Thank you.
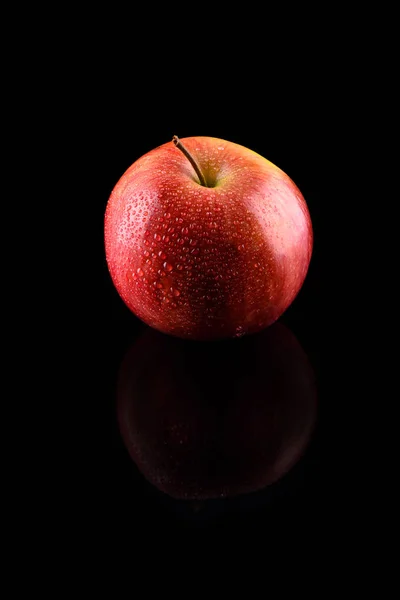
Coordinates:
(205, 420)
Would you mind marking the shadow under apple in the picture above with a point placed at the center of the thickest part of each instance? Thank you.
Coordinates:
(211, 420)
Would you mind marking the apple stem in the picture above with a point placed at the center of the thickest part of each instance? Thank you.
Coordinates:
(190, 158)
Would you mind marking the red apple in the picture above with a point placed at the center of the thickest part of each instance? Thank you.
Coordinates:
(220, 419)
(206, 239)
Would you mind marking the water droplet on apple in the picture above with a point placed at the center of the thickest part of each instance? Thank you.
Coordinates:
(168, 267)
(157, 237)
(162, 255)
(140, 272)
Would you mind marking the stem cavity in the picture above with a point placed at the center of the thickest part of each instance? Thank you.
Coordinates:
(190, 158)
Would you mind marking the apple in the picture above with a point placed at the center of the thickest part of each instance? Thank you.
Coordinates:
(209, 420)
(206, 239)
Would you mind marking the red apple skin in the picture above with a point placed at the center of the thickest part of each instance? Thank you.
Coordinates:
(203, 421)
(207, 262)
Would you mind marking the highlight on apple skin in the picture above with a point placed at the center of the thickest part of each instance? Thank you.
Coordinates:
(206, 239)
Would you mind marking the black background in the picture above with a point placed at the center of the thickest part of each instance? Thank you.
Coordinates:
(302, 117)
